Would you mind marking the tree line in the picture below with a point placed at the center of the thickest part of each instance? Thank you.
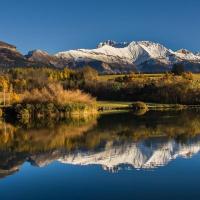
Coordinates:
(177, 87)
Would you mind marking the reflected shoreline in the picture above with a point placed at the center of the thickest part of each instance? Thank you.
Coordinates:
(113, 140)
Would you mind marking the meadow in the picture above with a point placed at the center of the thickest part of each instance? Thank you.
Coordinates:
(105, 78)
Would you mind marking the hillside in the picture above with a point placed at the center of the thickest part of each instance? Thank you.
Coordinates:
(11, 57)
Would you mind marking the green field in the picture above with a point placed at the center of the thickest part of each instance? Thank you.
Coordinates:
(112, 77)
(139, 76)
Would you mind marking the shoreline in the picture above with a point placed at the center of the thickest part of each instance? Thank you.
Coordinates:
(113, 106)
(118, 105)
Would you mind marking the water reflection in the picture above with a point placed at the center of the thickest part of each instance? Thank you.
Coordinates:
(114, 141)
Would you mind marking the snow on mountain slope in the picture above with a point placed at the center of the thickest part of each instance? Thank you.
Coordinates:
(113, 44)
(139, 54)
(187, 55)
(197, 54)
(135, 52)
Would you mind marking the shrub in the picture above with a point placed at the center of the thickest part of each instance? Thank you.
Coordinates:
(54, 93)
(24, 116)
(53, 101)
(139, 106)
(188, 76)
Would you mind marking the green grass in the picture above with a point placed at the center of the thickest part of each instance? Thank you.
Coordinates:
(112, 105)
(139, 76)
(112, 77)
(109, 77)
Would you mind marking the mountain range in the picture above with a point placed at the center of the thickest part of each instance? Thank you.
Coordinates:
(108, 57)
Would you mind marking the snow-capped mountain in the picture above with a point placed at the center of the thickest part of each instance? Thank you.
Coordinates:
(108, 57)
(141, 55)
(113, 44)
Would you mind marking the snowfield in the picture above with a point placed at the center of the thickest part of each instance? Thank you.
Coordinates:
(132, 53)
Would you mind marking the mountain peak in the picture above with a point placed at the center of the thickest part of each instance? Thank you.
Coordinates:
(184, 51)
(145, 56)
(36, 52)
(109, 57)
(112, 43)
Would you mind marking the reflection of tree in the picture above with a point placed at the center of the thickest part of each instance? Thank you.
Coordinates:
(127, 127)
(49, 141)
(43, 138)
(6, 133)
(77, 133)
(18, 144)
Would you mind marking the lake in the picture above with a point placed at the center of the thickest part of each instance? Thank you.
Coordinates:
(120, 155)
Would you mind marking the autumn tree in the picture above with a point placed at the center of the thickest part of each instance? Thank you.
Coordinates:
(89, 73)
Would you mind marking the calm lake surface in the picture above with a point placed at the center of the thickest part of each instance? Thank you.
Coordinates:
(114, 156)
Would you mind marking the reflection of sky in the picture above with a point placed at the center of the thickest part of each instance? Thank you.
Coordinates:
(178, 180)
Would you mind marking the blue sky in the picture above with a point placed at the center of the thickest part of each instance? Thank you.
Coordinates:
(56, 25)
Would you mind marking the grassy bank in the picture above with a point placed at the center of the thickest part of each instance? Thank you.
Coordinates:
(118, 105)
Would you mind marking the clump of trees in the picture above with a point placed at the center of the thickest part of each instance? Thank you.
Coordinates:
(178, 69)
(168, 88)
(47, 92)
(7, 94)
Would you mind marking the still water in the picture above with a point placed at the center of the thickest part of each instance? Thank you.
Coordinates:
(113, 156)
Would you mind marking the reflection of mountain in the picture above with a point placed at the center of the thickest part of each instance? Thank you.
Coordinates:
(145, 154)
(147, 141)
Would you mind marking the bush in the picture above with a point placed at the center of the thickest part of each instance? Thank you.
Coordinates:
(24, 116)
(53, 101)
(54, 93)
(139, 106)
